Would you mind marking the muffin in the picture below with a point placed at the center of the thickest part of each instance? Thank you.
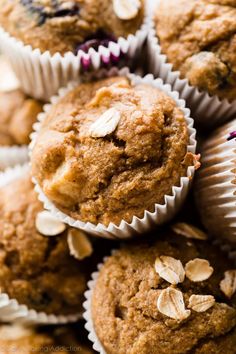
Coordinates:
(38, 261)
(111, 149)
(215, 184)
(18, 113)
(25, 340)
(62, 26)
(199, 40)
(63, 39)
(171, 295)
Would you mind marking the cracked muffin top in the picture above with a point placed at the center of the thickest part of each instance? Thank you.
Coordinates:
(36, 266)
(25, 340)
(109, 150)
(63, 26)
(18, 113)
(199, 39)
(172, 296)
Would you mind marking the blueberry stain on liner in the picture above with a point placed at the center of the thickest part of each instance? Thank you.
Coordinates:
(57, 10)
(232, 135)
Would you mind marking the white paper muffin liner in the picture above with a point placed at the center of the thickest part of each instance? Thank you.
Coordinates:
(13, 155)
(10, 309)
(42, 74)
(162, 212)
(208, 111)
(87, 315)
(92, 336)
(215, 188)
(9, 81)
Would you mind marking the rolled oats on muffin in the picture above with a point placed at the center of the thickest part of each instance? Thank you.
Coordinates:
(40, 268)
(199, 39)
(163, 296)
(62, 26)
(111, 149)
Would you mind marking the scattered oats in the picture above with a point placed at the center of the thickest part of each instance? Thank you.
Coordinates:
(79, 244)
(189, 231)
(170, 269)
(171, 303)
(198, 270)
(48, 225)
(126, 9)
(106, 124)
(228, 284)
(15, 332)
(201, 303)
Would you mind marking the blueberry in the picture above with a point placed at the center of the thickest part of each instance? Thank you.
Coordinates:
(94, 41)
(66, 12)
(56, 10)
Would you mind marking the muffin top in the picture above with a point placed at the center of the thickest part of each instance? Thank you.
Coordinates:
(17, 115)
(37, 270)
(199, 39)
(109, 150)
(174, 295)
(24, 340)
(63, 26)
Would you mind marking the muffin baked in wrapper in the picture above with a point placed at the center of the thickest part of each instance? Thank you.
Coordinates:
(10, 309)
(162, 212)
(34, 68)
(92, 336)
(88, 314)
(208, 111)
(10, 155)
(215, 187)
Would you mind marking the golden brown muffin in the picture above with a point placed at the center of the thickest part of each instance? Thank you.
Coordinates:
(110, 150)
(63, 26)
(35, 269)
(24, 340)
(199, 39)
(148, 299)
(17, 115)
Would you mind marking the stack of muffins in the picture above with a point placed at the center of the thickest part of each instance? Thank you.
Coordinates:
(99, 225)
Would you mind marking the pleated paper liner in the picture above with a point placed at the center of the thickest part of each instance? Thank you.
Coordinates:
(11, 156)
(215, 187)
(97, 346)
(92, 336)
(163, 212)
(10, 309)
(208, 111)
(42, 74)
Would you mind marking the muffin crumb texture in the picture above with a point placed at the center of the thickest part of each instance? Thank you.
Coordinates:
(61, 26)
(36, 270)
(138, 308)
(25, 340)
(109, 150)
(199, 39)
(18, 113)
